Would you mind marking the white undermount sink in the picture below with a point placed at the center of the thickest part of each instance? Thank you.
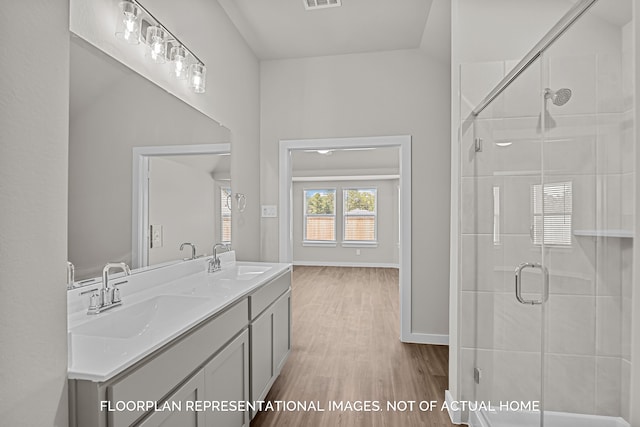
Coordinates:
(139, 319)
(248, 272)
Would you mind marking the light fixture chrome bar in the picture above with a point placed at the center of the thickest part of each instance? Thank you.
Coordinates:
(563, 25)
(158, 23)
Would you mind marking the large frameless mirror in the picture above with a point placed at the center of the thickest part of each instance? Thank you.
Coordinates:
(115, 112)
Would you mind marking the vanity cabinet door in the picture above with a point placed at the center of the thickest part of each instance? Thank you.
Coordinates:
(227, 380)
(261, 354)
(270, 345)
(281, 331)
(181, 416)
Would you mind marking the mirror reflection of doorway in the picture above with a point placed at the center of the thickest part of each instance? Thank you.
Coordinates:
(185, 205)
(180, 197)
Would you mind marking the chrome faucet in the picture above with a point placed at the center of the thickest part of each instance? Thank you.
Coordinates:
(107, 297)
(193, 250)
(214, 262)
(71, 275)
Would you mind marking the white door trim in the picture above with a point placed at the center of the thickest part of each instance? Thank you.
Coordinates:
(403, 142)
(140, 202)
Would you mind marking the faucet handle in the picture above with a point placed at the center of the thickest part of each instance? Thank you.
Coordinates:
(94, 300)
(115, 296)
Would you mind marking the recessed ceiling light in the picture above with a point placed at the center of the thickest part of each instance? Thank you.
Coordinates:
(321, 4)
(504, 144)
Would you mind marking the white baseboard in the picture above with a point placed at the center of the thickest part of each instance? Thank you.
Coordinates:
(346, 264)
(419, 338)
(455, 416)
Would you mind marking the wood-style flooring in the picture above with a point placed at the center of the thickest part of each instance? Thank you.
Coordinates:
(346, 348)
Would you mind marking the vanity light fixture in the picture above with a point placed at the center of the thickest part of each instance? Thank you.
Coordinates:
(197, 77)
(128, 24)
(135, 24)
(157, 42)
(178, 56)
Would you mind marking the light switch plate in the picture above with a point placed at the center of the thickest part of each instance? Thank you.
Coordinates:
(156, 236)
(269, 211)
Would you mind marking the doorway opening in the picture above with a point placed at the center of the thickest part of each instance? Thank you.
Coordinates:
(403, 176)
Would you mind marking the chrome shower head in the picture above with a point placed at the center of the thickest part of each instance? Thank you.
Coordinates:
(558, 97)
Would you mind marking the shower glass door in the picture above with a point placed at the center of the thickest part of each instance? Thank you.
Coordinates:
(502, 196)
(585, 207)
(547, 197)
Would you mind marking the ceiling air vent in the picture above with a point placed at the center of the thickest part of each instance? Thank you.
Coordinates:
(321, 4)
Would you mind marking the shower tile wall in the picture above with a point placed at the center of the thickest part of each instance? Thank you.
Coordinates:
(587, 328)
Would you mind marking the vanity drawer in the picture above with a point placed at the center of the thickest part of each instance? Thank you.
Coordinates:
(160, 374)
(268, 294)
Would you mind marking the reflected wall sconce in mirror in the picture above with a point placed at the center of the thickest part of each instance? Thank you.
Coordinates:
(241, 202)
(135, 24)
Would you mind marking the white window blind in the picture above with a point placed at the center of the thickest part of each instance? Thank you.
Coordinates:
(360, 214)
(552, 208)
(225, 214)
(320, 215)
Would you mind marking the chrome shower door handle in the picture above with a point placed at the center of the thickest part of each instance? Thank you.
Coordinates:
(545, 290)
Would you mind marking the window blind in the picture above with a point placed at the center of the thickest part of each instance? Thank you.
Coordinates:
(552, 209)
(225, 214)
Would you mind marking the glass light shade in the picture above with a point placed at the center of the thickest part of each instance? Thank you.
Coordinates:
(179, 62)
(128, 23)
(197, 77)
(157, 41)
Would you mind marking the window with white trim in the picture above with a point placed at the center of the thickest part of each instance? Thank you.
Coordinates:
(359, 212)
(320, 215)
(552, 209)
(225, 214)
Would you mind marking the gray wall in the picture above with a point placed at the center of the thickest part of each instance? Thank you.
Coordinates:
(130, 112)
(34, 93)
(385, 93)
(385, 254)
(181, 200)
(34, 88)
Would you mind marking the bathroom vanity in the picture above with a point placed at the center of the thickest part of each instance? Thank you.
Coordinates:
(186, 348)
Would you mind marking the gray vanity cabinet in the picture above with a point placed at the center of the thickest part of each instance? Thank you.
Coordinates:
(192, 390)
(270, 331)
(234, 356)
(281, 331)
(227, 379)
(214, 351)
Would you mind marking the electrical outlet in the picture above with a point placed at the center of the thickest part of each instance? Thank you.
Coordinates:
(357, 251)
(156, 236)
(269, 211)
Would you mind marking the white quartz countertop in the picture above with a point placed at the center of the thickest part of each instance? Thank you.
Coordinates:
(101, 346)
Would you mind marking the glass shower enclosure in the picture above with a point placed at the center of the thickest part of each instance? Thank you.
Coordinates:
(546, 196)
